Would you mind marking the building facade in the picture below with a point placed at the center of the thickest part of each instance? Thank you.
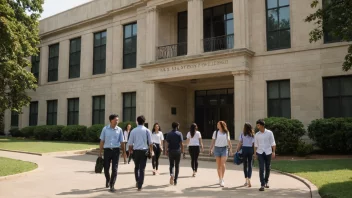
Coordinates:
(188, 61)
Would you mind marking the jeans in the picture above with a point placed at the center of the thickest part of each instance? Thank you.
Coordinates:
(174, 159)
(111, 155)
(247, 153)
(194, 153)
(264, 162)
(140, 161)
(155, 159)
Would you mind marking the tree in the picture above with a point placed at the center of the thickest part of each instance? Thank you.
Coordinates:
(334, 19)
(19, 37)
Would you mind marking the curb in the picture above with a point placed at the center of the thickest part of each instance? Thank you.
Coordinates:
(313, 189)
(15, 151)
(20, 174)
(51, 153)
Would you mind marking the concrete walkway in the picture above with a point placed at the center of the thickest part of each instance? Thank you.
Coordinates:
(73, 176)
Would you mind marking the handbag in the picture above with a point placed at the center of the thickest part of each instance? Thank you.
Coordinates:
(148, 154)
(99, 165)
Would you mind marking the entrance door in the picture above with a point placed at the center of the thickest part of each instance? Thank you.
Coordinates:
(212, 106)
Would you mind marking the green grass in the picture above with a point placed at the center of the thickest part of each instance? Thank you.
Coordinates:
(43, 146)
(11, 166)
(332, 177)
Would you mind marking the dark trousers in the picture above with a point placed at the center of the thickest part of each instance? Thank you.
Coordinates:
(247, 153)
(264, 162)
(111, 155)
(140, 161)
(155, 159)
(194, 153)
(174, 159)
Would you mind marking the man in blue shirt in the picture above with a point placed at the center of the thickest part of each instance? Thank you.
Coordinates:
(140, 142)
(174, 145)
(111, 139)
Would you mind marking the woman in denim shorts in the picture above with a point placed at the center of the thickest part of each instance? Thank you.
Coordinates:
(220, 146)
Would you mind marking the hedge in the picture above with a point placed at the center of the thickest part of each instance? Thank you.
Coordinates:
(74, 133)
(28, 132)
(15, 132)
(93, 132)
(333, 135)
(48, 132)
(287, 133)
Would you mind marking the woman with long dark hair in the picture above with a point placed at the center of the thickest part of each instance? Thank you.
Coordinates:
(126, 135)
(220, 147)
(194, 141)
(247, 144)
(157, 140)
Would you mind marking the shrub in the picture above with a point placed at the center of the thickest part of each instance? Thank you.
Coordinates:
(122, 125)
(304, 149)
(287, 133)
(74, 133)
(93, 132)
(28, 132)
(48, 132)
(15, 132)
(333, 135)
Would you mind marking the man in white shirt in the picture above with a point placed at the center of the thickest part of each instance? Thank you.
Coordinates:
(264, 147)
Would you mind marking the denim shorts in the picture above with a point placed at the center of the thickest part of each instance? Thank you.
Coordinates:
(221, 151)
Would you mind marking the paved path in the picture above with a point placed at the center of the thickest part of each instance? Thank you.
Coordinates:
(73, 176)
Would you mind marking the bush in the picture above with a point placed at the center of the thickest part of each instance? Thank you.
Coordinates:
(28, 132)
(122, 125)
(74, 133)
(333, 135)
(304, 149)
(93, 132)
(48, 132)
(15, 132)
(287, 133)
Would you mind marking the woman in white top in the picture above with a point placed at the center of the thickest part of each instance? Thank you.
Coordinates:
(157, 140)
(126, 133)
(194, 141)
(219, 147)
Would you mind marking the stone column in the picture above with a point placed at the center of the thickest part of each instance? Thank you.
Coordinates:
(87, 56)
(241, 23)
(241, 99)
(195, 27)
(117, 42)
(64, 57)
(42, 107)
(152, 33)
(150, 102)
(62, 110)
(109, 50)
(43, 68)
(23, 119)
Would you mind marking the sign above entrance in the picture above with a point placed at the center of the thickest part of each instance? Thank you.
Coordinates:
(193, 66)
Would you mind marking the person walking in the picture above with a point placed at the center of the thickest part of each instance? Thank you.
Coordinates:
(194, 141)
(111, 139)
(264, 147)
(126, 156)
(157, 140)
(140, 145)
(246, 144)
(174, 145)
(220, 147)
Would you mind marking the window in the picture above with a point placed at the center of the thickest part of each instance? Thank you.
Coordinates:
(182, 33)
(130, 46)
(278, 31)
(75, 58)
(99, 62)
(35, 66)
(72, 111)
(53, 63)
(279, 99)
(51, 112)
(33, 114)
(218, 28)
(14, 119)
(129, 106)
(337, 96)
(328, 36)
(98, 109)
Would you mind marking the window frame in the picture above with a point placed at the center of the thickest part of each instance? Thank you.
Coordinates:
(278, 7)
(72, 115)
(130, 108)
(33, 116)
(100, 110)
(77, 52)
(124, 46)
(280, 99)
(98, 69)
(52, 114)
(55, 58)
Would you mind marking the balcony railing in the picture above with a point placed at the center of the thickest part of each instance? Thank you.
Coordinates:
(170, 51)
(218, 43)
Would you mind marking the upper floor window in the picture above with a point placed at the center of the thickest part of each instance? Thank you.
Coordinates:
(35, 66)
(75, 58)
(98, 110)
(53, 62)
(182, 26)
(278, 31)
(33, 113)
(130, 46)
(51, 112)
(129, 106)
(99, 63)
(279, 99)
(72, 111)
(328, 36)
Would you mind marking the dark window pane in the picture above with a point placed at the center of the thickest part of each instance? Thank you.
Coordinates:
(284, 17)
(286, 108)
(273, 40)
(127, 100)
(97, 40)
(128, 31)
(285, 89)
(346, 86)
(285, 39)
(331, 87)
(331, 107)
(229, 11)
(103, 38)
(274, 109)
(128, 115)
(134, 30)
(129, 61)
(182, 36)
(128, 46)
(273, 90)
(271, 3)
(133, 103)
(273, 20)
(346, 106)
(219, 28)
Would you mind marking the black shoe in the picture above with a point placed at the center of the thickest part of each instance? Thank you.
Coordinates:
(107, 185)
(112, 189)
(175, 182)
(136, 184)
(139, 189)
(267, 185)
(261, 188)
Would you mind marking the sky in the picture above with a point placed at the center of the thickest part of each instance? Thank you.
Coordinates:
(52, 7)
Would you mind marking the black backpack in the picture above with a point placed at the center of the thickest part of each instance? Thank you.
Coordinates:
(99, 165)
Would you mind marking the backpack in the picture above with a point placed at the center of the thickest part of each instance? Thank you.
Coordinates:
(99, 165)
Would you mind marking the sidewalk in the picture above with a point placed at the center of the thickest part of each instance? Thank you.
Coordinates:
(73, 176)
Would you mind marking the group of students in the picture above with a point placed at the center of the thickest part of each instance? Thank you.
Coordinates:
(141, 144)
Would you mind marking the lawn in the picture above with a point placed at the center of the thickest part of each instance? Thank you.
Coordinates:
(332, 177)
(11, 166)
(43, 146)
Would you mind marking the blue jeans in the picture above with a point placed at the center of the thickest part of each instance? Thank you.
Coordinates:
(140, 161)
(247, 153)
(264, 162)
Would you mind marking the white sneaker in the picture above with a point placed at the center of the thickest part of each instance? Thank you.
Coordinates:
(220, 180)
(222, 184)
